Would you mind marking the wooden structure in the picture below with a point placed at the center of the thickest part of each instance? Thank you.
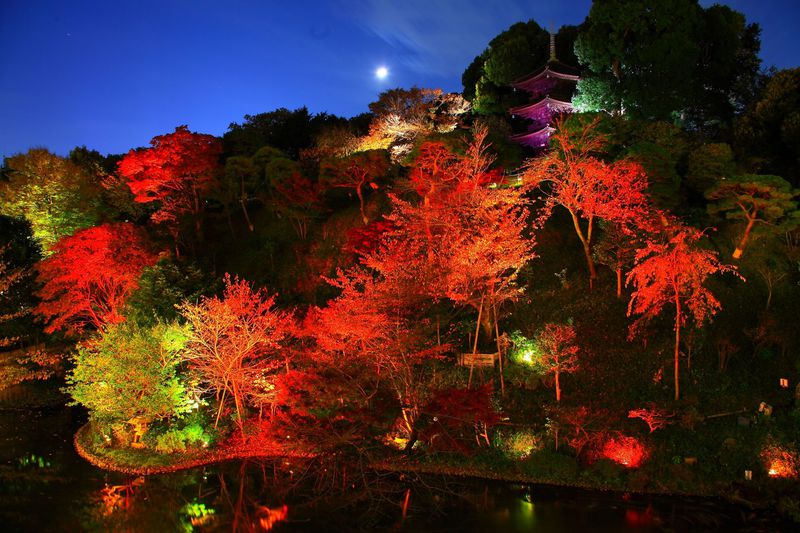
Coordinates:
(550, 88)
(478, 359)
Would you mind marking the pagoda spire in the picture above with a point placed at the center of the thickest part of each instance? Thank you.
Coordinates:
(552, 44)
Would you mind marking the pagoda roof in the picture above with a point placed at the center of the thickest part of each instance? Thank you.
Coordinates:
(552, 69)
(550, 103)
(535, 139)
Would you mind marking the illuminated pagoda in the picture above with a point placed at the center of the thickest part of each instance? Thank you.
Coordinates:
(551, 89)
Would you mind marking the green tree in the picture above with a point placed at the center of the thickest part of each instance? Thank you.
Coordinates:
(132, 371)
(289, 131)
(518, 51)
(768, 134)
(165, 285)
(707, 164)
(239, 182)
(55, 195)
(755, 199)
(726, 75)
(640, 55)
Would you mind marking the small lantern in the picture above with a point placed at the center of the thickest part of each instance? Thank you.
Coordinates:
(748, 475)
(784, 383)
(690, 460)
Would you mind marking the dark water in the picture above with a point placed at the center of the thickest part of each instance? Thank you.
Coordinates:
(45, 486)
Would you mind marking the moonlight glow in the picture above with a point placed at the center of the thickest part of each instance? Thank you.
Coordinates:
(381, 73)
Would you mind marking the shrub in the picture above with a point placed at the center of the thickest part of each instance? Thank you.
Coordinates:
(517, 444)
(170, 442)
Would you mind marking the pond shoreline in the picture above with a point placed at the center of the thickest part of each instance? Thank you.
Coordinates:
(182, 462)
(205, 458)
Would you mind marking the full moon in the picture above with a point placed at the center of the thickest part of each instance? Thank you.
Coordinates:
(381, 72)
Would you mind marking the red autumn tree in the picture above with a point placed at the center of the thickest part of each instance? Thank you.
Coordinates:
(673, 272)
(298, 198)
(368, 324)
(355, 172)
(365, 240)
(90, 274)
(234, 343)
(466, 235)
(571, 176)
(469, 225)
(655, 417)
(616, 249)
(177, 171)
(558, 351)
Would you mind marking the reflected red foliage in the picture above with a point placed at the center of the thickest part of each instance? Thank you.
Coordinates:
(268, 517)
(639, 517)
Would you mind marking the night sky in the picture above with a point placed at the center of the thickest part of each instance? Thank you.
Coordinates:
(111, 74)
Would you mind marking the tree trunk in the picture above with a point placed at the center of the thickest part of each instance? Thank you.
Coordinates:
(361, 203)
(587, 250)
(677, 344)
(197, 227)
(475, 346)
(246, 214)
(243, 202)
(558, 387)
(737, 253)
(219, 409)
(499, 348)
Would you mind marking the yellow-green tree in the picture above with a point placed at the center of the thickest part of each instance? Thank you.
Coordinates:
(53, 194)
(131, 371)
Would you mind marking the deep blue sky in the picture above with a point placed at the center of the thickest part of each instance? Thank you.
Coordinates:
(111, 74)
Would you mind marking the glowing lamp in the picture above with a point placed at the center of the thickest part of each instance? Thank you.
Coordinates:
(748, 475)
(784, 383)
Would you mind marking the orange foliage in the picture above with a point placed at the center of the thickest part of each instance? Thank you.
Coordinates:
(572, 177)
(558, 351)
(673, 272)
(234, 343)
(780, 461)
(89, 276)
(464, 240)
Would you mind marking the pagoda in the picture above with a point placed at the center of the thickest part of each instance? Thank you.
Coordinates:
(551, 88)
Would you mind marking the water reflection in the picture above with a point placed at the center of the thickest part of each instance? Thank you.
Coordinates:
(44, 486)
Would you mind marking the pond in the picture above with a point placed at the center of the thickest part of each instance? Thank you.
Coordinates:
(46, 486)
